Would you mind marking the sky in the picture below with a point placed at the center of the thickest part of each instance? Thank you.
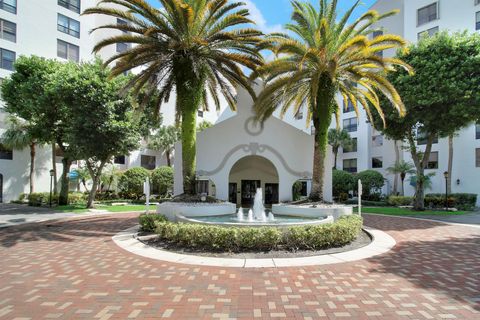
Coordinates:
(271, 15)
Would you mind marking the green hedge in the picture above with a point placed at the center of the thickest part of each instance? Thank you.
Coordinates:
(38, 199)
(147, 221)
(398, 201)
(368, 203)
(217, 238)
(461, 201)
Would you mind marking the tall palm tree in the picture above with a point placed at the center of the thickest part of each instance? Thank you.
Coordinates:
(402, 168)
(165, 139)
(322, 58)
(195, 48)
(18, 137)
(338, 138)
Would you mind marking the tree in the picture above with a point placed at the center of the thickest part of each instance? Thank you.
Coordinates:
(338, 138)
(204, 125)
(83, 177)
(162, 180)
(131, 182)
(165, 139)
(18, 136)
(441, 98)
(402, 168)
(101, 122)
(327, 56)
(342, 183)
(110, 176)
(195, 48)
(371, 181)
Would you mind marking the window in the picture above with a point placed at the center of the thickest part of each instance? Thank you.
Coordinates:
(477, 2)
(477, 131)
(350, 165)
(68, 25)
(422, 137)
(8, 30)
(477, 157)
(375, 34)
(122, 47)
(68, 51)
(428, 33)
(432, 161)
(119, 160)
(73, 5)
(352, 148)
(350, 124)
(299, 115)
(202, 186)
(122, 22)
(349, 107)
(9, 5)
(477, 21)
(5, 153)
(7, 59)
(377, 141)
(427, 14)
(377, 162)
(200, 113)
(147, 162)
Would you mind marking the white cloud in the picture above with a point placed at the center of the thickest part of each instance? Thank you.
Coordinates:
(259, 19)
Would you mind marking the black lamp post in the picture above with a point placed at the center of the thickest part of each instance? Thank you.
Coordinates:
(51, 181)
(445, 174)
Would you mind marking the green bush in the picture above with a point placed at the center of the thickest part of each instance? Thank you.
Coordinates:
(162, 180)
(22, 197)
(147, 221)
(398, 201)
(77, 198)
(297, 191)
(461, 201)
(372, 182)
(131, 182)
(37, 199)
(217, 238)
(368, 203)
(342, 183)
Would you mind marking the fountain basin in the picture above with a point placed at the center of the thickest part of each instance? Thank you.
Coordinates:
(172, 209)
(336, 211)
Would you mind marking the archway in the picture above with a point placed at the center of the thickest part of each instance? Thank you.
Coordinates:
(250, 173)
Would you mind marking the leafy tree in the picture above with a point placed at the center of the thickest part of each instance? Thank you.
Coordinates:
(441, 98)
(342, 182)
(83, 177)
(338, 138)
(164, 139)
(193, 48)
(371, 181)
(402, 168)
(327, 56)
(101, 122)
(131, 182)
(162, 180)
(204, 125)
(110, 176)
(19, 136)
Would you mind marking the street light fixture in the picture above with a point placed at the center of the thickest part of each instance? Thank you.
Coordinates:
(52, 173)
(445, 174)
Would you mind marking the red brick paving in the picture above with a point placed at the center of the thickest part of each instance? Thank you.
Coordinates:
(72, 270)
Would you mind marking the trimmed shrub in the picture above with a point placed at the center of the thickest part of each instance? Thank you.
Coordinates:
(461, 201)
(372, 182)
(131, 182)
(368, 203)
(147, 221)
(77, 198)
(217, 238)
(297, 190)
(342, 183)
(162, 180)
(398, 201)
(37, 199)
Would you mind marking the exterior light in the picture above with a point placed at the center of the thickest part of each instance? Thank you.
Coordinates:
(458, 182)
(52, 173)
(445, 174)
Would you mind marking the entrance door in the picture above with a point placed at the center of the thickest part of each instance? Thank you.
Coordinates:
(232, 192)
(249, 188)
(1, 188)
(271, 193)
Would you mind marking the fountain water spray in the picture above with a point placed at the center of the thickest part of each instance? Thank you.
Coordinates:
(258, 208)
(240, 214)
(250, 215)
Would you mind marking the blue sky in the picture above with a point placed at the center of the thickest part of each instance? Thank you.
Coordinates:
(271, 15)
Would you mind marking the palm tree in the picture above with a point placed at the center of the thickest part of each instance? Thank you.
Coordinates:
(83, 177)
(18, 137)
(195, 48)
(338, 138)
(165, 139)
(402, 168)
(325, 57)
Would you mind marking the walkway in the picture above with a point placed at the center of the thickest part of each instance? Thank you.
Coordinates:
(15, 214)
(72, 270)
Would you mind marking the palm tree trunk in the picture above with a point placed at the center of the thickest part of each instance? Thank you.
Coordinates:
(402, 180)
(335, 154)
(167, 154)
(54, 168)
(397, 160)
(32, 167)
(450, 163)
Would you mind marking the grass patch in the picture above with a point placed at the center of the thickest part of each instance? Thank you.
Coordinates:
(393, 211)
(80, 208)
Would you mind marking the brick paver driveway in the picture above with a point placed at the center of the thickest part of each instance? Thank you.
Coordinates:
(72, 270)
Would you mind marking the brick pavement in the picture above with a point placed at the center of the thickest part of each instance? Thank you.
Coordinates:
(72, 270)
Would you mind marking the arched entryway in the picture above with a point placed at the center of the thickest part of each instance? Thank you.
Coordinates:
(250, 173)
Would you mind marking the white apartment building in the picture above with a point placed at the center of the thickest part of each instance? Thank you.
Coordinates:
(56, 29)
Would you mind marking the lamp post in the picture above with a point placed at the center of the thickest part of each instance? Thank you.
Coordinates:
(51, 181)
(445, 174)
